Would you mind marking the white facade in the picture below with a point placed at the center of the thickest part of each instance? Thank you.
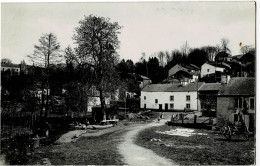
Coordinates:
(179, 101)
(95, 101)
(209, 69)
(11, 69)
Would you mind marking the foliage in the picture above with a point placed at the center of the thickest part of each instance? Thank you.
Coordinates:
(6, 61)
(156, 72)
(96, 40)
(197, 57)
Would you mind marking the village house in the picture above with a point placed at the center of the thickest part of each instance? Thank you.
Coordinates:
(237, 98)
(11, 69)
(171, 97)
(140, 80)
(211, 68)
(180, 71)
(208, 95)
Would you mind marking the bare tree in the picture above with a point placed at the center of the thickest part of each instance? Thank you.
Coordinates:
(185, 49)
(168, 56)
(224, 45)
(6, 61)
(97, 42)
(161, 55)
(211, 51)
(46, 53)
(246, 49)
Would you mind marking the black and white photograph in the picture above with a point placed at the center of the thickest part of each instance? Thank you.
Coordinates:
(138, 83)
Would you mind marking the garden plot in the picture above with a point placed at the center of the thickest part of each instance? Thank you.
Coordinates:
(181, 132)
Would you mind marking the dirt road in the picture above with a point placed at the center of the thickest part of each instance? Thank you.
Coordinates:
(136, 155)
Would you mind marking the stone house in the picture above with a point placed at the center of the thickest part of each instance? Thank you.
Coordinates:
(237, 100)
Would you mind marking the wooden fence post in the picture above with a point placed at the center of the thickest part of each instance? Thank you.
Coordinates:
(195, 119)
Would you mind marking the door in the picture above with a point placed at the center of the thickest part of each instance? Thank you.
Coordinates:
(166, 106)
(160, 107)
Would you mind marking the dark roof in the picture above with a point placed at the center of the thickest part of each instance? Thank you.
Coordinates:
(10, 65)
(144, 77)
(219, 65)
(238, 56)
(170, 80)
(184, 72)
(239, 86)
(138, 76)
(195, 67)
(175, 87)
(211, 87)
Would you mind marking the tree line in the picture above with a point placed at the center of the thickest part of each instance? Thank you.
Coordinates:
(93, 65)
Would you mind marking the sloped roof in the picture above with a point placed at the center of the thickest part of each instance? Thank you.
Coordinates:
(170, 80)
(239, 86)
(138, 76)
(211, 87)
(238, 56)
(184, 72)
(195, 67)
(219, 65)
(175, 87)
(10, 65)
(144, 77)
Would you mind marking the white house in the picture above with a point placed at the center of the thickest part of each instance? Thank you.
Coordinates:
(171, 96)
(12, 68)
(95, 101)
(207, 69)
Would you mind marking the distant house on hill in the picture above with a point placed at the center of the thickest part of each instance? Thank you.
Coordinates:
(236, 101)
(181, 71)
(171, 97)
(208, 69)
(11, 69)
(140, 80)
(223, 56)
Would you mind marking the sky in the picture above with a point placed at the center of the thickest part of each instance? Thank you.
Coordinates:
(147, 26)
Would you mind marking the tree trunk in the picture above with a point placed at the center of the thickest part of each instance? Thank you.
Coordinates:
(103, 104)
(42, 104)
(48, 65)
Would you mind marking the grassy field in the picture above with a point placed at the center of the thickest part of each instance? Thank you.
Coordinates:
(99, 150)
(210, 149)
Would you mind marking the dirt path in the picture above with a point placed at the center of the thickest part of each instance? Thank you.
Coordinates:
(136, 155)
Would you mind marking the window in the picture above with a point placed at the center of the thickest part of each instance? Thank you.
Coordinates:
(144, 97)
(187, 105)
(144, 106)
(188, 98)
(252, 103)
(171, 106)
(238, 103)
(171, 98)
(207, 70)
(156, 100)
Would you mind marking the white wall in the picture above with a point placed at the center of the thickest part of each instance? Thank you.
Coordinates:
(12, 69)
(94, 101)
(212, 69)
(164, 97)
